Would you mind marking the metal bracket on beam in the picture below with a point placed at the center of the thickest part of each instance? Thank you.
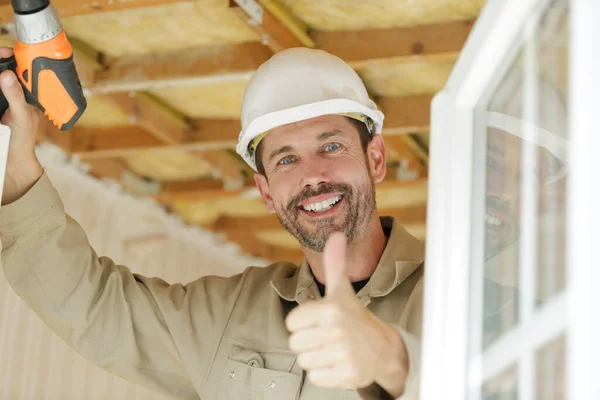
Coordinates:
(253, 9)
(404, 173)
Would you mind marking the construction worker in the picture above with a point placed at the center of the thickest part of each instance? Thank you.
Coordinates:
(344, 324)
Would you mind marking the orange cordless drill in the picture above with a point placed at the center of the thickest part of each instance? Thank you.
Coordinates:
(43, 63)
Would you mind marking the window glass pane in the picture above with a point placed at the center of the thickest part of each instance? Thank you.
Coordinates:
(553, 63)
(551, 371)
(525, 173)
(501, 387)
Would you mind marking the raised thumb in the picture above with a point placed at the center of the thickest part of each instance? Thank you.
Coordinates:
(334, 262)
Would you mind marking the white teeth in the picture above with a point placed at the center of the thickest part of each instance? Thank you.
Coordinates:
(492, 221)
(323, 205)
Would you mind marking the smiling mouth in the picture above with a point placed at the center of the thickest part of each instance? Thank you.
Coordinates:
(493, 222)
(322, 206)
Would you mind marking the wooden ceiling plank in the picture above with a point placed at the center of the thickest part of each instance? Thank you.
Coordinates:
(149, 113)
(67, 8)
(403, 115)
(199, 184)
(415, 214)
(193, 194)
(363, 48)
(171, 128)
(229, 170)
(181, 67)
(407, 114)
(410, 159)
(360, 49)
(252, 245)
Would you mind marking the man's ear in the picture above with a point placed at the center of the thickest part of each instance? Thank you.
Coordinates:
(263, 187)
(377, 159)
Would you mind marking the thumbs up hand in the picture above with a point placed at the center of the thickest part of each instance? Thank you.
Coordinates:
(339, 342)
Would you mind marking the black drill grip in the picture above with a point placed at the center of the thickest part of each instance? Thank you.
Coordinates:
(11, 63)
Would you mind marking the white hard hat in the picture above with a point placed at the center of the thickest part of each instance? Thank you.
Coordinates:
(548, 131)
(299, 84)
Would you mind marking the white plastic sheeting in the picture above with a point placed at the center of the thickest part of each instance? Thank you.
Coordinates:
(34, 362)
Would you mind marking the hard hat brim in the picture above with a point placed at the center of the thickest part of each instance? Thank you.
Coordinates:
(555, 144)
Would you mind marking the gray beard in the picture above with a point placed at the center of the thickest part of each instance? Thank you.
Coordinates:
(361, 206)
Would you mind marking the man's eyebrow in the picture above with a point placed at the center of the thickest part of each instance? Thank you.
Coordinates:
(279, 151)
(329, 134)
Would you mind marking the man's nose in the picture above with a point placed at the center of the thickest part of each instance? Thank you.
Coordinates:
(315, 172)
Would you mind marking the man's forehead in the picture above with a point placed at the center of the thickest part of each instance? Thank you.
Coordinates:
(318, 128)
(503, 140)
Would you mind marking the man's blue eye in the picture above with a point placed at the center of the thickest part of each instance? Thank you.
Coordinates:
(285, 160)
(332, 146)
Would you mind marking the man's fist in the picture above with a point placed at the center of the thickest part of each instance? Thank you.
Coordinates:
(339, 342)
(22, 168)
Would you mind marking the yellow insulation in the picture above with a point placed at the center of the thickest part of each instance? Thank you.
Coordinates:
(170, 27)
(168, 166)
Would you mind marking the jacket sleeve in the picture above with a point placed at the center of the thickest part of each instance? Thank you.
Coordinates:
(132, 326)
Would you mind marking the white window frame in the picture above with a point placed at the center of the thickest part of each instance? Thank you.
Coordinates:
(452, 209)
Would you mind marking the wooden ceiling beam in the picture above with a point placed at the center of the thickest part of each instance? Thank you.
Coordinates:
(147, 112)
(119, 141)
(403, 115)
(183, 68)
(409, 114)
(365, 48)
(171, 128)
(415, 214)
(207, 65)
(252, 245)
(390, 184)
(67, 8)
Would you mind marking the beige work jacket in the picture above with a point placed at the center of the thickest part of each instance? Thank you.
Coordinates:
(214, 338)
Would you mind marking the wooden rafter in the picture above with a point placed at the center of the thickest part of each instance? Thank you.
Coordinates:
(119, 141)
(366, 47)
(67, 8)
(170, 128)
(408, 114)
(403, 115)
(252, 245)
(190, 67)
(415, 214)
(147, 112)
(390, 184)
(207, 65)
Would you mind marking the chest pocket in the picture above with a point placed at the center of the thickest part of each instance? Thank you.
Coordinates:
(249, 375)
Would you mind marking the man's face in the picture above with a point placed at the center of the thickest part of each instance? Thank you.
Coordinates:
(319, 179)
(505, 175)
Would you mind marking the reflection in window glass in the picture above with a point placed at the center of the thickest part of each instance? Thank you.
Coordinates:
(553, 38)
(502, 386)
(525, 180)
(551, 371)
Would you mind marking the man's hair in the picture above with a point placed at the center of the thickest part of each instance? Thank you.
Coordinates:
(363, 133)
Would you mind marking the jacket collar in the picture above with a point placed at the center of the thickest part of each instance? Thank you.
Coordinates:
(403, 254)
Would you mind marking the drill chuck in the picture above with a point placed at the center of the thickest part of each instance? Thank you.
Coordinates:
(25, 7)
(38, 27)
